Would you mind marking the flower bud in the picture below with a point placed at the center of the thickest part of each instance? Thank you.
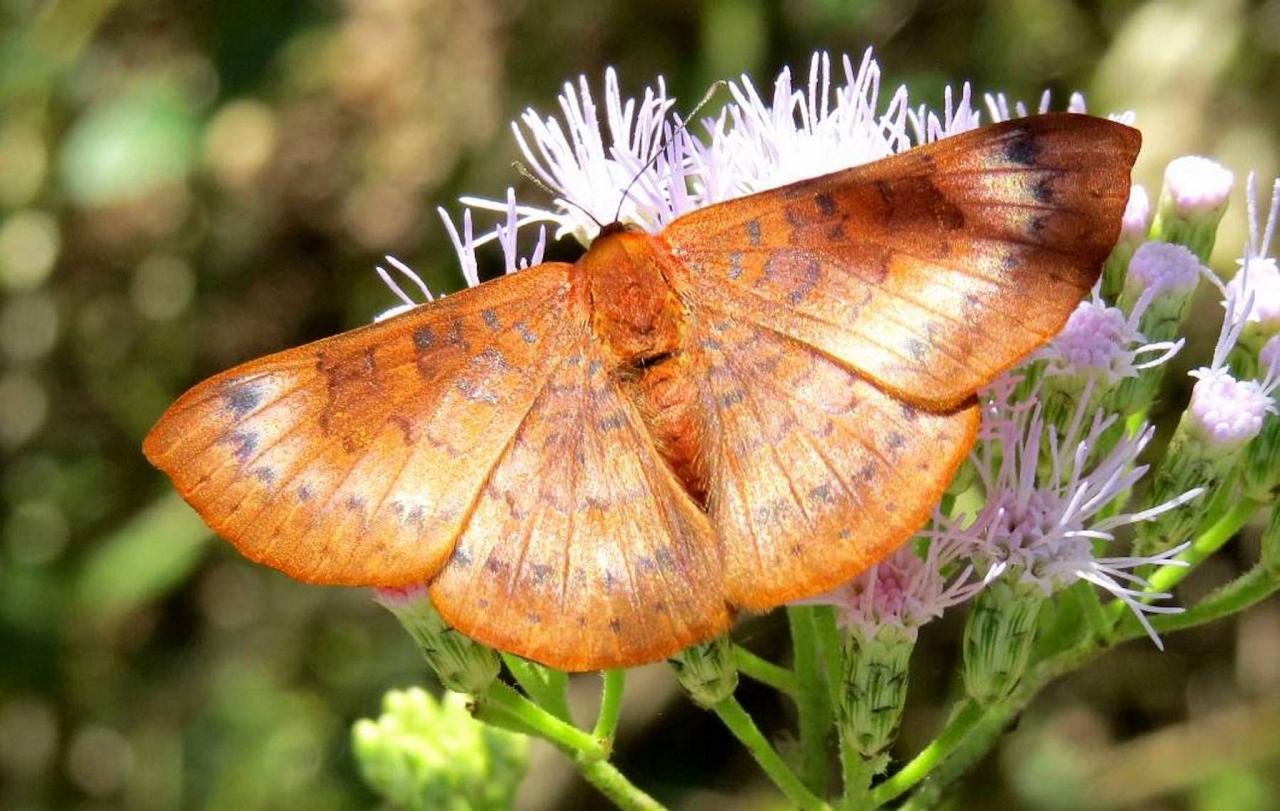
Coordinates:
(1167, 275)
(1085, 360)
(999, 636)
(461, 663)
(1261, 286)
(1191, 205)
(1224, 415)
(707, 671)
(874, 690)
(425, 754)
(1134, 226)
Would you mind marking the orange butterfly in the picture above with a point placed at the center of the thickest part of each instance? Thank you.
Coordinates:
(595, 465)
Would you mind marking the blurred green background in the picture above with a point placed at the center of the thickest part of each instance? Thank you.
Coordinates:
(185, 185)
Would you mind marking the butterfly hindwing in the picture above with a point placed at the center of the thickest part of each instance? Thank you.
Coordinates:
(584, 551)
(814, 474)
(357, 459)
(930, 271)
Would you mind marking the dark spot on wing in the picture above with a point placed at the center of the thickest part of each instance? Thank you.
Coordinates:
(423, 338)
(246, 443)
(490, 319)
(243, 399)
(1042, 191)
(612, 422)
(753, 232)
(1021, 149)
(526, 334)
(731, 398)
(735, 265)
(826, 204)
(896, 440)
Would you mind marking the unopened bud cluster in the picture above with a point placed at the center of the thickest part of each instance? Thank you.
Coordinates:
(425, 754)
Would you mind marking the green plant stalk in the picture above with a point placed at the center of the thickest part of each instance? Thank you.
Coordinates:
(614, 684)
(540, 720)
(813, 700)
(544, 685)
(973, 732)
(744, 729)
(765, 672)
(1208, 542)
(942, 747)
(1250, 588)
(613, 784)
(857, 772)
(830, 648)
(514, 711)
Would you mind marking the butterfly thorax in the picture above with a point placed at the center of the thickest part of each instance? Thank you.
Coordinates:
(642, 326)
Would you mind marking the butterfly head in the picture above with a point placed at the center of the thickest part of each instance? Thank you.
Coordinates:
(617, 227)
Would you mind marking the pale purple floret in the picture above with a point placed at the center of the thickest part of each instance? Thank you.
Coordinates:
(1165, 269)
(1196, 184)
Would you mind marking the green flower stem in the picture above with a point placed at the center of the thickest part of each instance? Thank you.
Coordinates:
(745, 730)
(765, 672)
(972, 733)
(953, 734)
(857, 772)
(1250, 588)
(509, 709)
(831, 648)
(1211, 540)
(610, 707)
(613, 784)
(542, 684)
(813, 701)
(541, 721)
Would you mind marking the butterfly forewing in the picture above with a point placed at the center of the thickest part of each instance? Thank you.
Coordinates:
(359, 458)
(930, 271)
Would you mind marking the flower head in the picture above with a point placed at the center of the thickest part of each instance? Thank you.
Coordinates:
(905, 590)
(1103, 344)
(1047, 504)
(1196, 184)
(1191, 205)
(1164, 269)
(1225, 413)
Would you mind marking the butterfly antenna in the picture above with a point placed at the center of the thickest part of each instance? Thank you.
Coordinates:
(681, 126)
(537, 181)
